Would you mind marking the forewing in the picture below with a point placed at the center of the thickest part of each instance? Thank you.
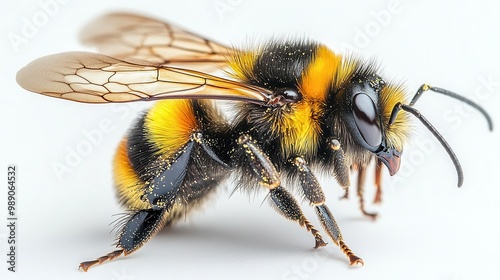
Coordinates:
(124, 35)
(96, 78)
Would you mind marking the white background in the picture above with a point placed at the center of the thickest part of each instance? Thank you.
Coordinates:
(427, 229)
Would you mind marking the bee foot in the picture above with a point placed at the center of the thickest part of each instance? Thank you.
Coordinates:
(372, 216)
(320, 243)
(355, 260)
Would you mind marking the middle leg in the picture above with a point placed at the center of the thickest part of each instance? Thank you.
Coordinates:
(281, 199)
(314, 194)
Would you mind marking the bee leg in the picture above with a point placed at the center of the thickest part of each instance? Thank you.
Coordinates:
(139, 228)
(346, 194)
(340, 167)
(361, 190)
(281, 199)
(288, 207)
(333, 230)
(314, 193)
(108, 257)
(378, 182)
(160, 192)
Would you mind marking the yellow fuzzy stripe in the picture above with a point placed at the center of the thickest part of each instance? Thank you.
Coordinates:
(242, 64)
(170, 124)
(396, 134)
(127, 182)
(318, 76)
(300, 129)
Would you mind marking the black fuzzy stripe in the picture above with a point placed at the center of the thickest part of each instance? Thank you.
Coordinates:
(281, 63)
(140, 150)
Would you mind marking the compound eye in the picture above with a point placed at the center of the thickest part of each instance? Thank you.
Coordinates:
(366, 119)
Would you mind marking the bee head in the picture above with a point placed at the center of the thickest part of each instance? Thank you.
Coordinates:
(366, 110)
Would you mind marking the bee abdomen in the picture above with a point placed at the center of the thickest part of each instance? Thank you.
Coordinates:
(154, 146)
(128, 183)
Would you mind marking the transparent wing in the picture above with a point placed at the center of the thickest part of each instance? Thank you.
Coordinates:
(124, 35)
(96, 78)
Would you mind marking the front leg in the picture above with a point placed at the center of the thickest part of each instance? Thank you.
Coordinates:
(314, 194)
(378, 182)
(340, 168)
(341, 173)
(361, 191)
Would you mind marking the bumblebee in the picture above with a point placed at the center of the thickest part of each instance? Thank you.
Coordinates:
(297, 108)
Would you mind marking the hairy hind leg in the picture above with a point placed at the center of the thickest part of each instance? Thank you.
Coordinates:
(177, 184)
(136, 231)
